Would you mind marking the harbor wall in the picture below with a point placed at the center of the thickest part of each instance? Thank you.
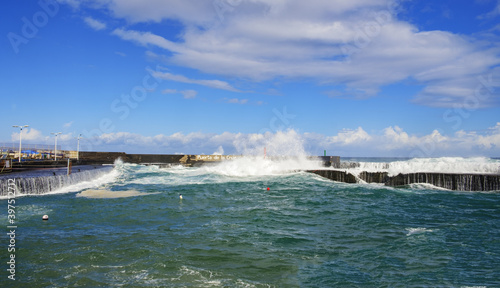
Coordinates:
(451, 181)
(169, 159)
(459, 182)
(43, 184)
(161, 160)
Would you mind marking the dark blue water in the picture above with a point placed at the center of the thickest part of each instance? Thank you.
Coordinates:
(230, 231)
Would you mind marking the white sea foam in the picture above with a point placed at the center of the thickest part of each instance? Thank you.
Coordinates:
(269, 154)
(103, 193)
(426, 186)
(264, 155)
(104, 177)
(91, 184)
(95, 183)
(258, 166)
(206, 278)
(418, 230)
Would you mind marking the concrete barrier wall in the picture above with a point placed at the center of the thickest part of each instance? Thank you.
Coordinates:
(335, 175)
(44, 184)
(153, 158)
(101, 157)
(189, 160)
(459, 182)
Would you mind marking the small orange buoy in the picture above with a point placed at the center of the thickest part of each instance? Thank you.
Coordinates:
(268, 188)
(45, 217)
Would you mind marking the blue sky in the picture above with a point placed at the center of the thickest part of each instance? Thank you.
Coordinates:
(357, 78)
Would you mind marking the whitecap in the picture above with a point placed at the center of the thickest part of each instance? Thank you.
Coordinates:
(461, 165)
(102, 193)
(418, 230)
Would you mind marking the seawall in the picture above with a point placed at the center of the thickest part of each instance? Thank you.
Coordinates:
(37, 185)
(93, 158)
(451, 181)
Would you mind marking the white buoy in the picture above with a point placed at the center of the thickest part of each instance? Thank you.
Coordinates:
(180, 196)
(45, 217)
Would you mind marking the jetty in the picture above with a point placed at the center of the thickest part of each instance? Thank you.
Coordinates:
(189, 160)
(450, 181)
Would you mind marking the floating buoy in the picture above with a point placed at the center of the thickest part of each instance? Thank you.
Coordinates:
(180, 196)
(45, 217)
(268, 188)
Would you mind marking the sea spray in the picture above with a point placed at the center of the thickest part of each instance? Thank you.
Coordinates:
(267, 154)
(475, 165)
(61, 183)
(103, 193)
(281, 143)
(258, 166)
(88, 177)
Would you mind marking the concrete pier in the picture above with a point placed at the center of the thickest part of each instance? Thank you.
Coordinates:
(459, 182)
(42, 181)
(451, 181)
(163, 160)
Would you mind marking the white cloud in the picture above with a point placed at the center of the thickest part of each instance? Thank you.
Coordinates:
(65, 138)
(147, 38)
(360, 44)
(34, 136)
(217, 84)
(391, 141)
(169, 91)
(28, 134)
(68, 125)
(398, 139)
(187, 94)
(94, 24)
(492, 14)
(349, 137)
(487, 141)
(187, 11)
(75, 4)
(236, 101)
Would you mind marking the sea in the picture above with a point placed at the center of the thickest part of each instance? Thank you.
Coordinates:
(254, 222)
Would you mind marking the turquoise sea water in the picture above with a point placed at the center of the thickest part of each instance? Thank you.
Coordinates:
(230, 231)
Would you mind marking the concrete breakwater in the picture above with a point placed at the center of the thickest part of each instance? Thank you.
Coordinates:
(190, 160)
(451, 181)
(37, 185)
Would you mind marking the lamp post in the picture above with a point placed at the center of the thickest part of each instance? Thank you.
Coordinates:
(55, 145)
(20, 137)
(78, 148)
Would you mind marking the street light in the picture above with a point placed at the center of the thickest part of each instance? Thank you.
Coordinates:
(78, 148)
(20, 137)
(55, 146)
